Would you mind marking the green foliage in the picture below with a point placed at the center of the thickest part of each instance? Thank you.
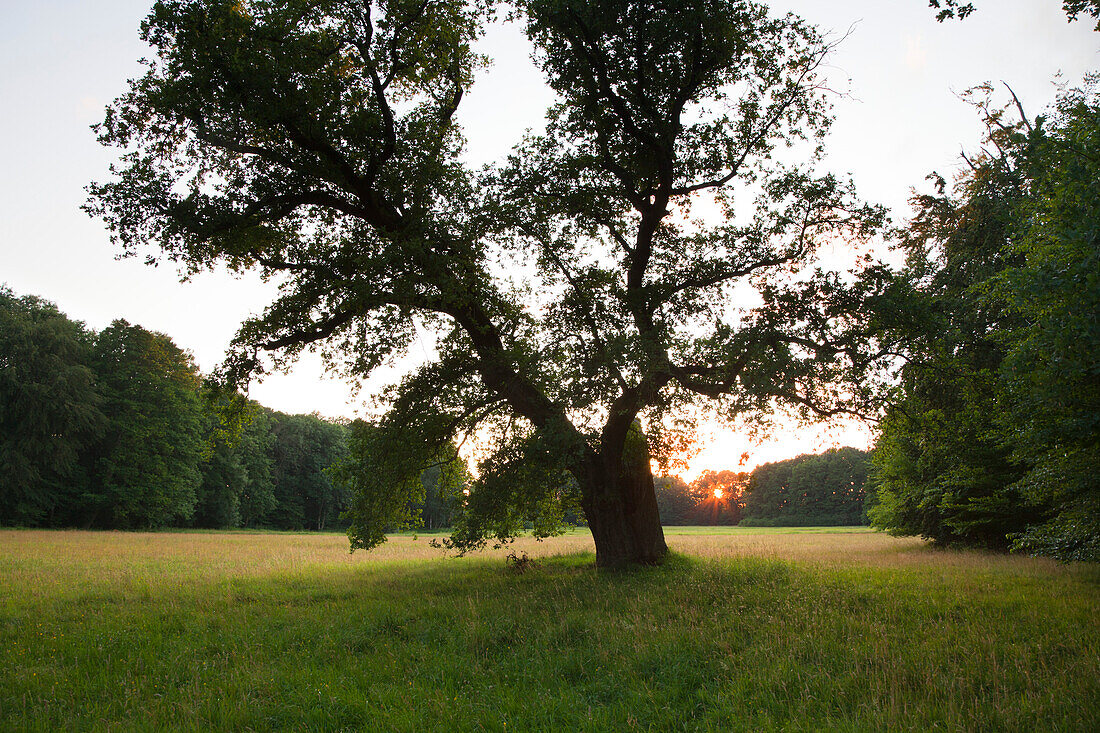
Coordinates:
(1074, 8)
(675, 500)
(114, 430)
(237, 476)
(697, 504)
(383, 482)
(941, 467)
(810, 490)
(316, 142)
(445, 484)
(521, 487)
(1051, 372)
(254, 452)
(414, 489)
(996, 436)
(146, 470)
(303, 448)
(946, 9)
(49, 410)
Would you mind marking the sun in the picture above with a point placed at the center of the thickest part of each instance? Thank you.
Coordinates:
(718, 493)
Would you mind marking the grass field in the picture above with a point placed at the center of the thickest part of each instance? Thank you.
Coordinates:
(758, 629)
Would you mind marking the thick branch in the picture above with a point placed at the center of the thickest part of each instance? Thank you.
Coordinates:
(709, 381)
(315, 332)
(625, 409)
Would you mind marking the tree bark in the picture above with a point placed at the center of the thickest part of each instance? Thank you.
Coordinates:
(621, 509)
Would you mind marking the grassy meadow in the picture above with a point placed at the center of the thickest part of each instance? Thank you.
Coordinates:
(744, 629)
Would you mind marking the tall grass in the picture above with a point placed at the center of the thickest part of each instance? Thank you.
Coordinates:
(740, 631)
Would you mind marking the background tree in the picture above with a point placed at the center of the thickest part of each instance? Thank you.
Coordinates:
(444, 487)
(146, 469)
(218, 499)
(722, 495)
(830, 487)
(255, 449)
(304, 446)
(49, 410)
(676, 500)
(316, 141)
(144, 445)
(996, 437)
(809, 490)
(237, 488)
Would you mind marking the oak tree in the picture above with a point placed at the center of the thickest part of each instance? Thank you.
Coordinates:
(653, 251)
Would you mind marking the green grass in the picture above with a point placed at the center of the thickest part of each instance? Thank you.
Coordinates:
(762, 631)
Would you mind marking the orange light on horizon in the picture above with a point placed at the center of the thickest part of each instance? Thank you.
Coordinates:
(718, 448)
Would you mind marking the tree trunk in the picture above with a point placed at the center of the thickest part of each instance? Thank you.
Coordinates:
(622, 509)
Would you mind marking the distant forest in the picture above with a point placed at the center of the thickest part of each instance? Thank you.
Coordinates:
(119, 430)
(809, 490)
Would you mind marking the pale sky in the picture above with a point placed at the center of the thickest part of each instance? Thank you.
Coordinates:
(62, 61)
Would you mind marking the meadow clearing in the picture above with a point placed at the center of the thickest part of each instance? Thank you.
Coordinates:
(743, 629)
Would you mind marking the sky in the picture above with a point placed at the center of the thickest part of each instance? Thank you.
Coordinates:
(898, 75)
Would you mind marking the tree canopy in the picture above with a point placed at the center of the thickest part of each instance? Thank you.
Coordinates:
(583, 285)
(49, 409)
(996, 439)
(118, 430)
(146, 467)
(810, 490)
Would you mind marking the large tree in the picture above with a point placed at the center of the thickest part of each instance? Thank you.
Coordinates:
(943, 470)
(648, 252)
(996, 439)
(1051, 372)
(942, 467)
(146, 467)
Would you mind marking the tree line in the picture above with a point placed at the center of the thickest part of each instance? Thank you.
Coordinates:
(118, 430)
(828, 489)
(994, 438)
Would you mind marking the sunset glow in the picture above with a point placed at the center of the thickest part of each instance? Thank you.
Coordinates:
(718, 493)
(723, 448)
